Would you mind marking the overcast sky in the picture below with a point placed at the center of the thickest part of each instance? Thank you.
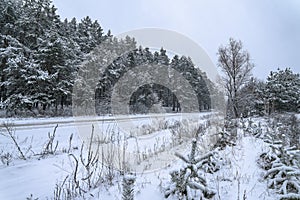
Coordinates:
(269, 29)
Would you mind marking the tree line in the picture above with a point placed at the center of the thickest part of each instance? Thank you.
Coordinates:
(148, 95)
(40, 55)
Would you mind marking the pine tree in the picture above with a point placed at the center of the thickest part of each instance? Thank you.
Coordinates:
(10, 12)
(283, 91)
(228, 136)
(281, 163)
(19, 85)
(161, 57)
(17, 76)
(254, 98)
(284, 172)
(128, 187)
(188, 180)
(90, 34)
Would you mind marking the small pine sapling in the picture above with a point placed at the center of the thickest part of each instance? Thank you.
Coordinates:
(225, 139)
(210, 162)
(282, 165)
(128, 187)
(188, 181)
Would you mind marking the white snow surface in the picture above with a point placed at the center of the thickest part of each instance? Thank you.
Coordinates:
(242, 176)
(38, 176)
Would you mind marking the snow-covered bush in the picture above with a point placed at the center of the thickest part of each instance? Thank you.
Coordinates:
(6, 158)
(210, 162)
(257, 131)
(251, 128)
(224, 140)
(289, 125)
(291, 128)
(282, 163)
(188, 182)
(266, 160)
(285, 179)
(228, 135)
(128, 187)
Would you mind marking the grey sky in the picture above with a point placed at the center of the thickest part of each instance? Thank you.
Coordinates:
(269, 29)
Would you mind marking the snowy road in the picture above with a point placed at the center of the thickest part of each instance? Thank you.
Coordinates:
(34, 123)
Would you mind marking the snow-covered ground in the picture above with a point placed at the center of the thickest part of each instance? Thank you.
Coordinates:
(242, 176)
(39, 176)
(150, 137)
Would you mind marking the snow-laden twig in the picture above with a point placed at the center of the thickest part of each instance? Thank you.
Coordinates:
(10, 132)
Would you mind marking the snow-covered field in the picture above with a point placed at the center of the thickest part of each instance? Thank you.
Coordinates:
(38, 176)
(152, 142)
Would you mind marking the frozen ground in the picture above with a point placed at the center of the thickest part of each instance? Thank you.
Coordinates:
(243, 176)
(149, 135)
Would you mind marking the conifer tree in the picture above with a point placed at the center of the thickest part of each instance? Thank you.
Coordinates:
(189, 180)
(128, 187)
(283, 91)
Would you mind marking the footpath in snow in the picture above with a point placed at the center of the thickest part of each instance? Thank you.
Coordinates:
(242, 177)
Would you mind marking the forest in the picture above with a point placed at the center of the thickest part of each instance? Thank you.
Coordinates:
(41, 54)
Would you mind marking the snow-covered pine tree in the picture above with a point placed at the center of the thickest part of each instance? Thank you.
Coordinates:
(283, 90)
(9, 45)
(97, 32)
(291, 128)
(20, 75)
(72, 32)
(282, 165)
(90, 34)
(188, 182)
(32, 31)
(210, 162)
(161, 57)
(251, 128)
(112, 67)
(284, 174)
(228, 136)
(196, 78)
(51, 58)
(253, 98)
(128, 187)
(10, 11)
(86, 40)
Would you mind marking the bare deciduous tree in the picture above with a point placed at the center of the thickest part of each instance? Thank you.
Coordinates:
(236, 66)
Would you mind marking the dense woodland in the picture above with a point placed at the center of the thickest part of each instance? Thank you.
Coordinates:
(40, 55)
